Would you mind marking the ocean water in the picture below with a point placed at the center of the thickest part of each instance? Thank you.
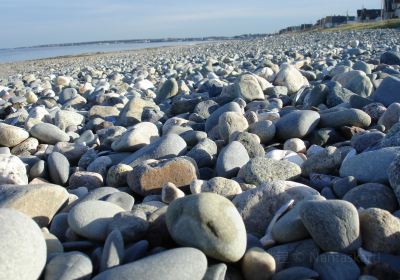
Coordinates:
(30, 53)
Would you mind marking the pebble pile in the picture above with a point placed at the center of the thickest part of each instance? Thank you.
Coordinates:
(274, 158)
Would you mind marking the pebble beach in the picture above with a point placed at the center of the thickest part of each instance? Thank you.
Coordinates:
(269, 158)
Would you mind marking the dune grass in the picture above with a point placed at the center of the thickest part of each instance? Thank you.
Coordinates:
(384, 24)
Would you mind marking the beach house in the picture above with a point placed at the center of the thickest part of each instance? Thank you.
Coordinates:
(391, 9)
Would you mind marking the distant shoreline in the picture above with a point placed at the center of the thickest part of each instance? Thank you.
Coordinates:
(18, 67)
(144, 41)
(36, 53)
(122, 42)
(58, 62)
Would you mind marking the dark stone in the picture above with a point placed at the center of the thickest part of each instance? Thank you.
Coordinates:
(388, 92)
(301, 253)
(390, 58)
(336, 266)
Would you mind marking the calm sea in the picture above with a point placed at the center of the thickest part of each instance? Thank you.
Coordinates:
(21, 54)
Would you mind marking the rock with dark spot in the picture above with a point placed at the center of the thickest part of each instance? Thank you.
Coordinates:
(209, 222)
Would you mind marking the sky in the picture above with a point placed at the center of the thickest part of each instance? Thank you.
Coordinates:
(37, 22)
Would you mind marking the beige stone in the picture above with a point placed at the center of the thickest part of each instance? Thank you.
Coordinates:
(90, 180)
(11, 136)
(258, 265)
(63, 80)
(150, 176)
(40, 202)
(133, 110)
(117, 175)
(103, 111)
(28, 146)
(380, 231)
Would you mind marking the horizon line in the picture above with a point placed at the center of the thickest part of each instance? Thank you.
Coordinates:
(140, 40)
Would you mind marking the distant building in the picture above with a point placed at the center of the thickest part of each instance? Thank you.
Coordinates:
(369, 14)
(306, 27)
(333, 21)
(290, 29)
(326, 22)
(391, 9)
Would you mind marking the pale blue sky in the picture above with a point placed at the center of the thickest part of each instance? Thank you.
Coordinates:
(35, 22)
